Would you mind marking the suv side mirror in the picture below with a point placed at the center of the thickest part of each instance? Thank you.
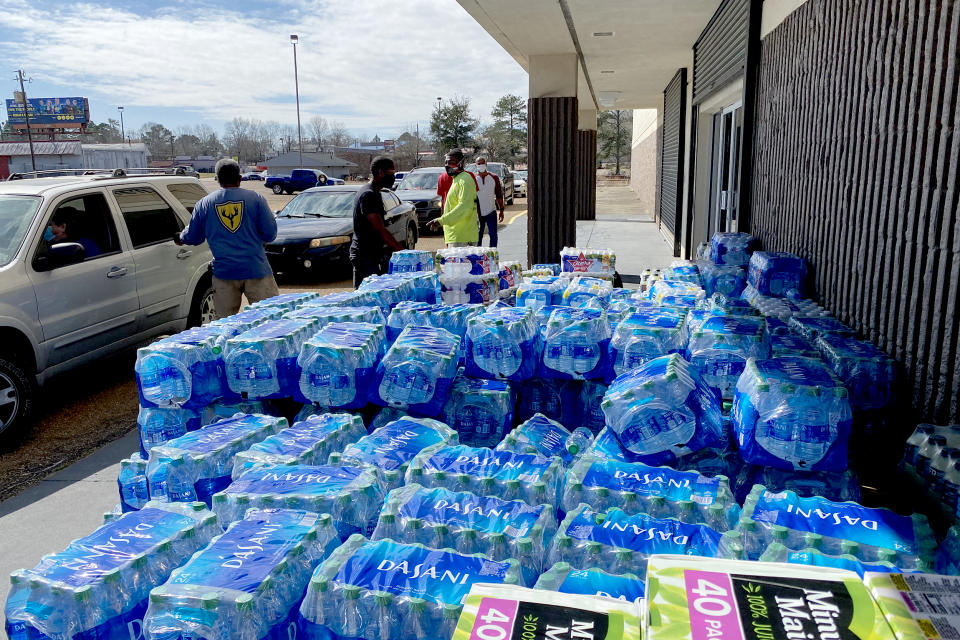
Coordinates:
(60, 255)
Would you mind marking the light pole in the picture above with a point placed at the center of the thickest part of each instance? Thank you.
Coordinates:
(123, 135)
(26, 115)
(294, 39)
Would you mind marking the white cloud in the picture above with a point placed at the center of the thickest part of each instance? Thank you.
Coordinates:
(368, 63)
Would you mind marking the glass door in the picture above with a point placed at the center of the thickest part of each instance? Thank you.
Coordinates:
(727, 131)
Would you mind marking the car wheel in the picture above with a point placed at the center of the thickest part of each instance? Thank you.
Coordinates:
(277, 189)
(411, 236)
(17, 391)
(202, 309)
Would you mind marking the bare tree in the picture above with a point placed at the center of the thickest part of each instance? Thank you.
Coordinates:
(317, 128)
(339, 136)
(237, 136)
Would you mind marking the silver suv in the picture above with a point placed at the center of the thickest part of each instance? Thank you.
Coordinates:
(88, 267)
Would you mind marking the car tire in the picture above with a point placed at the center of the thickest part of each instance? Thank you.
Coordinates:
(17, 393)
(411, 236)
(277, 189)
(202, 308)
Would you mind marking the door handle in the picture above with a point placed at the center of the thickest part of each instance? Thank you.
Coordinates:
(116, 272)
(184, 254)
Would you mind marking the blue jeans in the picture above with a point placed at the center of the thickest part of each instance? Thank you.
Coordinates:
(490, 222)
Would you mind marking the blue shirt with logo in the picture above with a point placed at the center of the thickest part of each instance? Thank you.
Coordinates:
(235, 223)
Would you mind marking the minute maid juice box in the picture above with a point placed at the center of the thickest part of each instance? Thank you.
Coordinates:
(918, 607)
(697, 599)
(503, 612)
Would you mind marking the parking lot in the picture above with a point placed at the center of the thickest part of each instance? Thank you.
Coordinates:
(85, 409)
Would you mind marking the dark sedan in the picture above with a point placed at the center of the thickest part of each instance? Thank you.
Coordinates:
(419, 188)
(316, 227)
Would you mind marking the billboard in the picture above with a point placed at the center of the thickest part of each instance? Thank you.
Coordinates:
(49, 112)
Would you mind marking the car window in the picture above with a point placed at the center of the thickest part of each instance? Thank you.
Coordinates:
(16, 214)
(148, 217)
(188, 194)
(86, 220)
(426, 180)
(389, 200)
(325, 204)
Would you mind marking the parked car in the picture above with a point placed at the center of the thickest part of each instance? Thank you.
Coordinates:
(419, 188)
(251, 175)
(520, 183)
(315, 228)
(186, 170)
(397, 177)
(298, 180)
(116, 280)
(506, 178)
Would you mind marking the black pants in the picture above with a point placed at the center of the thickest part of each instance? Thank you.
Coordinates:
(363, 267)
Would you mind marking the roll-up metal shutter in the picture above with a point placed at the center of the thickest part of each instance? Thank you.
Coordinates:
(671, 157)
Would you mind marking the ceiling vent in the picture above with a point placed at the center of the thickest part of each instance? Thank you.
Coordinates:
(603, 34)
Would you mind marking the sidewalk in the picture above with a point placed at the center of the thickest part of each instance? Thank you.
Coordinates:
(620, 225)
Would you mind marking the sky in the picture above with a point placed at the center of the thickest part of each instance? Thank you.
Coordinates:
(377, 66)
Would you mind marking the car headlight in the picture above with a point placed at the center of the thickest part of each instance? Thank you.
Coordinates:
(435, 202)
(316, 243)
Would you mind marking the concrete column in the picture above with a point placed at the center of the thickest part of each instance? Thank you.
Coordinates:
(551, 157)
(587, 164)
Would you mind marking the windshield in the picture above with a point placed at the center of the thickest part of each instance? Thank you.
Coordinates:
(426, 181)
(327, 204)
(520, 174)
(16, 214)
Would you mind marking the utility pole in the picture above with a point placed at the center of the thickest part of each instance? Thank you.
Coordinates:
(123, 134)
(26, 115)
(294, 39)
(416, 161)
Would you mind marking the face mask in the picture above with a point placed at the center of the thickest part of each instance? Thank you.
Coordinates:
(452, 171)
(482, 168)
(48, 235)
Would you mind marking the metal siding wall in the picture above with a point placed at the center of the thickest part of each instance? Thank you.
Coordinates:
(586, 174)
(552, 189)
(856, 169)
(720, 54)
(671, 156)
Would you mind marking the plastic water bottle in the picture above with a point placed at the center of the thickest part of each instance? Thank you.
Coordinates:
(337, 363)
(328, 315)
(591, 415)
(163, 379)
(418, 370)
(261, 362)
(410, 260)
(731, 248)
(132, 481)
(575, 343)
(502, 343)
(158, 425)
(480, 411)
(644, 335)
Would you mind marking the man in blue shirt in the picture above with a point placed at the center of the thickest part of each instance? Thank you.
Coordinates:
(235, 223)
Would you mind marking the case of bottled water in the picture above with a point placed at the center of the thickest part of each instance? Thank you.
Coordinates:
(791, 345)
(198, 464)
(929, 447)
(575, 260)
(262, 362)
(869, 374)
(783, 308)
(540, 291)
(731, 248)
(576, 344)
(541, 435)
(719, 349)
(245, 320)
(563, 578)
(502, 343)
(499, 529)
(583, 290)
(390, 449)
(947, 560)
(511, 274)
(532, 478)
(835, 528)
(349, 494)
(159, 424)
(839, 486)
(98, 586)
(777, 552)
(685, 270)
(385, 590)
(247, 583)
(337, 364)
(132, 481)
(410, 260)
(714, 461)
(329, 315)
(645, 335)
(730, 280)
(676, 293)
(340, 299)
(618, 311)
(387, 291)
(590, 415)
(660, 492)
(286, 301)
(480, 411)
(663, 411)
(468, 261)
(553, 267)
(722, 304)
(793, 414)
(465, 289)
(777, 273)
(813, 327)
(417, 371)
(452, 317)
(617, 542)
(426, 286)
(541, 272)
(309, 442)
(183, 370)
(557, 399)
